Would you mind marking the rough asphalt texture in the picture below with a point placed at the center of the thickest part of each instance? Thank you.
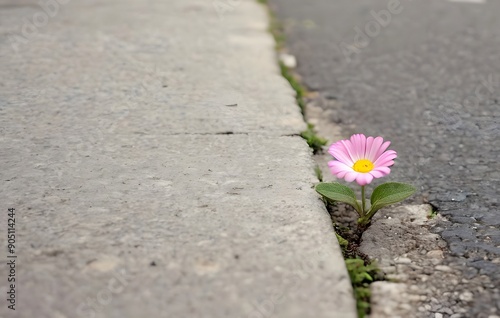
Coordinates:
(151, 152)
(428, 79)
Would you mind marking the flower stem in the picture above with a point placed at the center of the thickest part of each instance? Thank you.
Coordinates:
(363, 199)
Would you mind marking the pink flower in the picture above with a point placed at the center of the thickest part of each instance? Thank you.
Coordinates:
(361, 159)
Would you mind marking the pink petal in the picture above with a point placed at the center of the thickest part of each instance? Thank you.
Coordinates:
(364, 179)
(338, 151)
(382, 148)
(371, 152)
(359, 143)
(387, 163)
(377, 173)
(385, 158)
(369, 142)
(384, 170)
(351, 176)
(341, 174)
(349, 149)
(354, 148)
(337, 167)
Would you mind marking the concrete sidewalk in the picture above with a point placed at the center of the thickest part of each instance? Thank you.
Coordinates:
(151, 151)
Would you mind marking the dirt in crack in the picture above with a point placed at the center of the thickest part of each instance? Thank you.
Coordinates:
(344, 219)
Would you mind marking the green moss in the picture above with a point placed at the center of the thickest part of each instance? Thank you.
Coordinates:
(432, 213)
(361, 277)
(300, 91)
(342, 241)
(361, 272)
(313, 140)
(319, 173)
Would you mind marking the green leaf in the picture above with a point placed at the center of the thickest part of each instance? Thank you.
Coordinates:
(342, 241)
(368, 277)
(338, 192)
(389, 193)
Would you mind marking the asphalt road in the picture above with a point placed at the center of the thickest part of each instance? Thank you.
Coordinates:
(425, 75)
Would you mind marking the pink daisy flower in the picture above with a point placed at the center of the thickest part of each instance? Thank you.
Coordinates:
(361, 159)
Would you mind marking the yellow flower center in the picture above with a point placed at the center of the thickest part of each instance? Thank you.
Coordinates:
(363, 166)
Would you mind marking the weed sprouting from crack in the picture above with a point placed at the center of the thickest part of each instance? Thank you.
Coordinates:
(362, 271)
(319, 173)
(313, 140)
(362, 275)
(433, 212)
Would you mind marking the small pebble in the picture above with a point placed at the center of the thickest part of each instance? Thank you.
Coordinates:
(438, 315)
(389, 269)
(402, 260)
(443, 268)
(447, 310)
(436, 308)
(436, 261)
(288, 60)
(435, 254)
(466, 296)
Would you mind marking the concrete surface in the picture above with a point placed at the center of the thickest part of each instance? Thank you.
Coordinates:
(150, 150)
(419, 282)
(426, 77)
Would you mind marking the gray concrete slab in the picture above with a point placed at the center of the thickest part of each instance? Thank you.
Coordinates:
(150, 150)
